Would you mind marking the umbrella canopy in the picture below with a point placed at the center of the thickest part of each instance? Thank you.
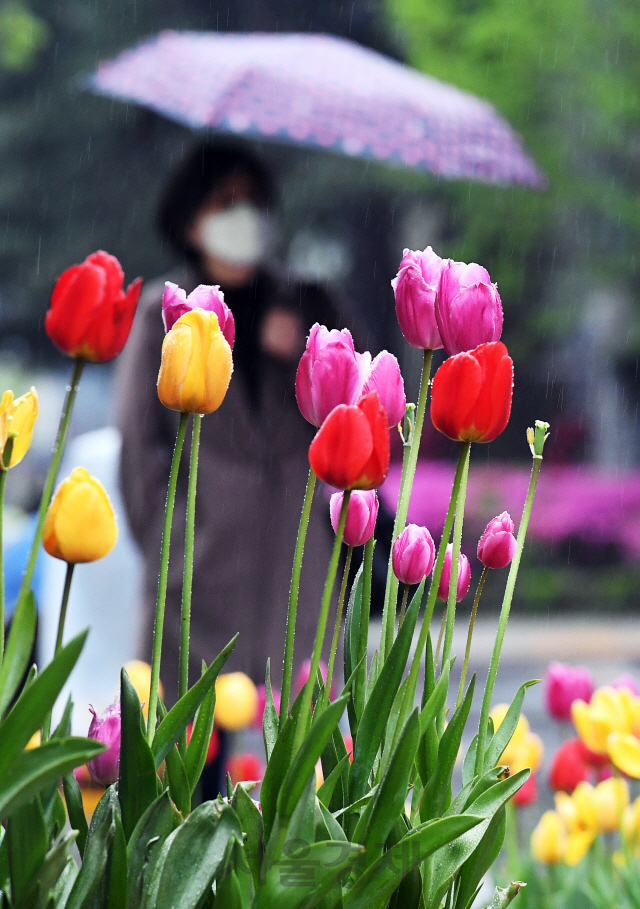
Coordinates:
(322, 91)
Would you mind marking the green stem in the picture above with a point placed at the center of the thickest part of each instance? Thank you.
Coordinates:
(46, 727)
(305, 708)
(433, 590)
(443, 625)
(472, 622)
(3, 480)
(162, 582)
(187, 580)
(405, 597)
(293, 598)
(363, 639)
(58, 449)
(406, 483)
(336, 630)
(504, 615)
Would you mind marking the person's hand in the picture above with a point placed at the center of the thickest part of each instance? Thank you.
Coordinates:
(282, 335)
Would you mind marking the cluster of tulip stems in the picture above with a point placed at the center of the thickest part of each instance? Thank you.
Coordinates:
(354, 401)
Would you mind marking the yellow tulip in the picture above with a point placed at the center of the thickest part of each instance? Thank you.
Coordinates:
(236, 701)
(139, 674)
(624, 751)
(580, 817)
(610, 710)
(80, 525)
(16, 421)
(196, 364)
(630, 823)
(611, 798)
(549, 839)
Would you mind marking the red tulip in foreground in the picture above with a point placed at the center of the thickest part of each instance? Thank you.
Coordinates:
(361, 515)
(497, 544)
(103, 769)
(464, 576)
(351, 448)
(176, 303)
(471, 394)
(413, 554)
(90, 314)
(415, 288)
(467, 307)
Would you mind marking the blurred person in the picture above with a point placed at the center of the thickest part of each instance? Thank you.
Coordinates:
(216, 212)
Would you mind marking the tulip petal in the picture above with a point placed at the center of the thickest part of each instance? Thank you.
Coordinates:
(578, 844)
(74, 301)
(376, 468)
(342, 447)
(624, 751)
(493, 406)
(455, 390)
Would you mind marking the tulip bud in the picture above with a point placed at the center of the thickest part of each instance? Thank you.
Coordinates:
(549, 839)
(104, 768)
(329, 373)
(497, 545)
(16, 424)
(563, 685)
(175, 303)
(236, 701)
(384, 376)
(413, 554)
(80, 525)
(196, 364)
(415, 288)
(361, 515)
(90, 315)
(467, 307)
(464, 576)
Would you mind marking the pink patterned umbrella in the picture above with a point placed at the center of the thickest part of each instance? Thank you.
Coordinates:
(322, 91)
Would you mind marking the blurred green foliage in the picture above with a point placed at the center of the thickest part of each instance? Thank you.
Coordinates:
(22, 36)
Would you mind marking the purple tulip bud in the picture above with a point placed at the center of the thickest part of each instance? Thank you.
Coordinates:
(329, 374)
(176, 303)
(497, 545)
(464, 576)
(413, 554)
(467, 307)
(384, 376)
(563, 685)
(361, 515)
(415, 288)
(104, 768)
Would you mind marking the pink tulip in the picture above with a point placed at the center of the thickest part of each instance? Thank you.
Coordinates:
(303, 675)
(413, 554)
(563, 685)
(104, 768)
(176, 303)
(467, 308)
(627, 681)
(329, 374)
(262, 702)
(497, 544)
(384, 376)
(464, 576)
(415, 288)
(361, 515)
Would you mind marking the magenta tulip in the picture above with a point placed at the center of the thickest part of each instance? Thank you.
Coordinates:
(303, 675)
(176, 303)
(464, 576)
(415, 288)
(361, 515)
(467, 307)
(384, 376)
(413, 554)
(104, 768)
(329, 373)
(497, 545)
(627, 681)
(563, 685)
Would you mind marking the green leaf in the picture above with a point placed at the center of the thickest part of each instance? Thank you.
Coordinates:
(250, 819)
(326, 789)
(95, 861)
(27, 842)
(505, 730)
(117, 869)
(196, 754)
(380, 880)
(502, 898)
(351, 641)
(302, 878)
(37, 768)
(333, 829)
(47, 877)
(179, 788)
(278, 766)
(374, 716)
(333, 754)
(154, 827)
(18, 651)
(479, 862)
(270, 720)
(33, 705)
(75, 809)
(137, 787)
(63, 729)
(176, 721)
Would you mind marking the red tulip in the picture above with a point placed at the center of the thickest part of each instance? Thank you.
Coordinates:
(245, 767)
(569, 767)
(471, 395)
(526, 794)
(351, 448)
(90, 314)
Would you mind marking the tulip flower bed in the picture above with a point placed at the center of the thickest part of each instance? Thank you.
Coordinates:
(381, 825)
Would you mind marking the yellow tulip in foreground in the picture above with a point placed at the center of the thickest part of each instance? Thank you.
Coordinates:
(80, 525)
(196, 364)
(610, 710)
(236, 701)
(549, 839)
(16, 421)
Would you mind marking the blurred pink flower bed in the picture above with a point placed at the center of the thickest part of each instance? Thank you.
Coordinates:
(572, 502)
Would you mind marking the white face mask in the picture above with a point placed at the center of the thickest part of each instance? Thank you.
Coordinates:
(238, 234)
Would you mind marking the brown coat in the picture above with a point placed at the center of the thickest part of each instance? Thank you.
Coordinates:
(252, 474)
